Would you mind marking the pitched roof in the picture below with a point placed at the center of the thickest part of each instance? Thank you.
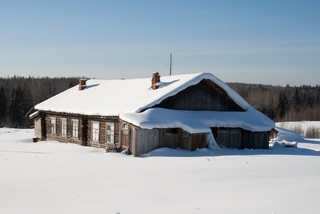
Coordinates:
(127, 98)
(115, 97)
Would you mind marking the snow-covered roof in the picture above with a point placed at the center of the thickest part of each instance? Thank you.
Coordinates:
(200, 121)
(114, 97)
(129, 98)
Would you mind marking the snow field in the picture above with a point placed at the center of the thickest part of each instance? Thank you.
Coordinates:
(51, 177)
(306, 128)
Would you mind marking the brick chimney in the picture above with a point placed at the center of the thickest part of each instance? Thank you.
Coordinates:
(82, 84)
(155, 81)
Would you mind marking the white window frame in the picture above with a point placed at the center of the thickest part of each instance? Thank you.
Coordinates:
(53, 125)
(95, 130)
(75, 128)
(110, 132)
(64, 123)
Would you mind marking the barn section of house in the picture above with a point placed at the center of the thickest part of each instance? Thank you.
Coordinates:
(144, 114)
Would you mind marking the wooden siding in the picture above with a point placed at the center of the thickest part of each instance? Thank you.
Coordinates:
(139, 141)
(169, 137)
(102, 131)
(145, 140)
(255, 140)
(205, 96)
(125, 134)
(240, 139)
(198, 141)
(58, 135)
(84, 129)
(37, 127)
(228, 137)
(40, 127)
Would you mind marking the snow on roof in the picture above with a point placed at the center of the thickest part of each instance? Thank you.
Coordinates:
(34, 114)
(114, 97)
(127, 98)
(200, 121)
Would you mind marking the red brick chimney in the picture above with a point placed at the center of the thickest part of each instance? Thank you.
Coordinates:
(155, 81)
(82, 84)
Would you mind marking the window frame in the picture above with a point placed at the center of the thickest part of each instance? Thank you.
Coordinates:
(53, 125)
(75, 128)
(110, 132)
(95, 131)
(64, 125)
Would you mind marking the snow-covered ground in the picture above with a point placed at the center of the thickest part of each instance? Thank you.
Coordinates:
(51, 177)
(306, 128)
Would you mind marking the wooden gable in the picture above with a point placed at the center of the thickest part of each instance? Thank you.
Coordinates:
(205, 96)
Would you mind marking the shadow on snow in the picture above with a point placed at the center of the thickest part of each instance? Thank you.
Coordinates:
(277, 149)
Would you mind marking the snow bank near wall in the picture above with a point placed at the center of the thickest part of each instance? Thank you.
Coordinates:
(310, 129)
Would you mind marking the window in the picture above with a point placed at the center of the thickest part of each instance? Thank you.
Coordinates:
(95, 130)
(64, 126)
(125, 129)
(75, 128)
(109, 132)
(53, 125)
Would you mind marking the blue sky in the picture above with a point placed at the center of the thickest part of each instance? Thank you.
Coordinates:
(270, 42)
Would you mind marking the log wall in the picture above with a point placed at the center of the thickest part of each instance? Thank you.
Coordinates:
(84, 129)
(146, 140)
(37, 128)
(58, 135)
(205, 96)
(102, 131)
(255, 140)
(240, 139)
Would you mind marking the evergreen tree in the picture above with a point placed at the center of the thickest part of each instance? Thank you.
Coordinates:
(3, 107)
(283, 104)
(19, 108)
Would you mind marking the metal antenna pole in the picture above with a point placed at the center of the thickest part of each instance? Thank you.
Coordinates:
(170, 64)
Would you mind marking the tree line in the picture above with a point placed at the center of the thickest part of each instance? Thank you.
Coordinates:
(18, 96)
(282, 103)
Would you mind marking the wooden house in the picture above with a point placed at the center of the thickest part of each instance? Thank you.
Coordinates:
(144, 114)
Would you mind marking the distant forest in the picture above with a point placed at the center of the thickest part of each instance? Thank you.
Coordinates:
(282, 103)
(18, 96)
